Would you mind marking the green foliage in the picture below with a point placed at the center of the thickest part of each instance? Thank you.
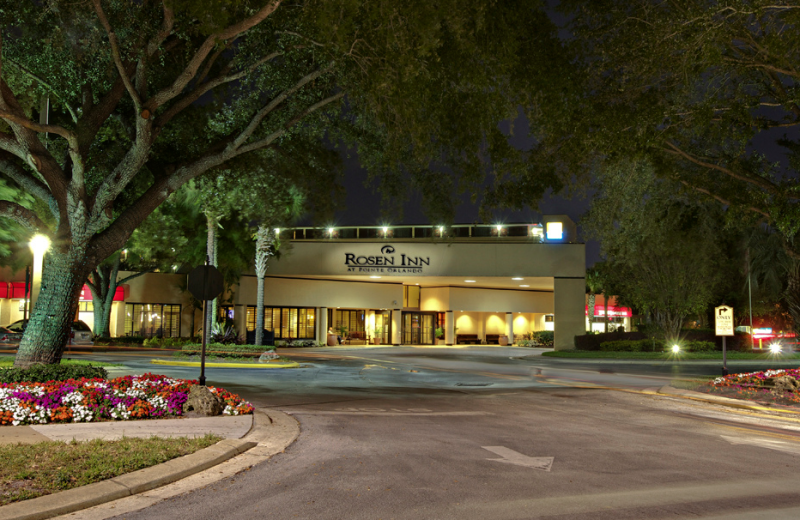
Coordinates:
(122, 340)
(227, 347)
(543, 338)
(439, 333)
(649, 345)
(44, 373)
(663, 251)
(169, 342)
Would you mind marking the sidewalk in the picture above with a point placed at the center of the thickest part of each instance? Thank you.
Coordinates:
(248, 440)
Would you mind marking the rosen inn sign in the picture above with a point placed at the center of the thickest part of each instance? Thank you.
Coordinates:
(336, 259)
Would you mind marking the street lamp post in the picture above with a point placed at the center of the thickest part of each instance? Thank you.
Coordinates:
(39, 245)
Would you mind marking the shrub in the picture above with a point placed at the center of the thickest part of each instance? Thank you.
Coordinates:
(297, 343)
(543, 338)
(227, 335)
(221, 347)
(122, 340)
(627, 345)
(698, 346)
(169, 342)
(45, 373)
(593, 341)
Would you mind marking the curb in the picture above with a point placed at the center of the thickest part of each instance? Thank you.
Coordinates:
(723, 401)
(266, 438)
(224, 365)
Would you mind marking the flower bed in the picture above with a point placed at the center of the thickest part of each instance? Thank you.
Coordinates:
(148, 396)
(754, 386)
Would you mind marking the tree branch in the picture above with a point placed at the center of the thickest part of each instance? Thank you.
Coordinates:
(722, 200)
(199, 57)
(761, 183)
(112, 38)
(22, 216)
(23, 179)
(299, 117)
(195, 94)
(280, 98)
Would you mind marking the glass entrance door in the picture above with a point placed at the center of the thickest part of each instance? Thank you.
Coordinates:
(418, 328)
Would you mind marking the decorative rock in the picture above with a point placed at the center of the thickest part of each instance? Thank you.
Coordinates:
(267, 356)
(203, 401)
(785, 384)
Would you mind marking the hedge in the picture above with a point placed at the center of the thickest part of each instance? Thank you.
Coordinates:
(45, 373)
(649, 345)
(222, 347)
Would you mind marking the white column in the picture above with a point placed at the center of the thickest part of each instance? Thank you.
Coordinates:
(322, 325)
(370, 324)
(510, 327)
(397, 327)
(449, 328)
(569, 311)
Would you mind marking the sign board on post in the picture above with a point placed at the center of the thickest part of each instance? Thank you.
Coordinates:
(723, 320)
(205, 283)
(723, 323)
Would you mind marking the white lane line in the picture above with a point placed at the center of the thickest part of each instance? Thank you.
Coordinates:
(510, 456)
(770, 444)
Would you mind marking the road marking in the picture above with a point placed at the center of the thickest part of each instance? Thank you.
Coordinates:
(510, 456)
(770, 444)
(382, 412)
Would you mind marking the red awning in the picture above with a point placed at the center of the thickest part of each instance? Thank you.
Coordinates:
(613, 311)
(16, 291)
(119, 294)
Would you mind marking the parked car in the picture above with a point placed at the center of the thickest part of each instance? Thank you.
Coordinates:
(81, 333)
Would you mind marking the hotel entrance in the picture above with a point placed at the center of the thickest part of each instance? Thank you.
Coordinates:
(418, 328)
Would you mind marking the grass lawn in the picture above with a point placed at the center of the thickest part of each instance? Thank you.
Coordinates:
(8, 361)
(29, 471)
(668, 356)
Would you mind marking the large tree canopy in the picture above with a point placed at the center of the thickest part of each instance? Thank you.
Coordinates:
(706, 91)
(148, 95)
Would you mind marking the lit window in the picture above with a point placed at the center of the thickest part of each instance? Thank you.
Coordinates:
(555, 231)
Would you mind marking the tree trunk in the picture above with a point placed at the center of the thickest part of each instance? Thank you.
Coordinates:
(590, 309)
(793, 295)
(264, 240)
(103, 285)
(51, 319)
(211, 223)
(605, 311)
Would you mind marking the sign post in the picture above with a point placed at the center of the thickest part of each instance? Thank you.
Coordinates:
(205, 283)
(723, 323)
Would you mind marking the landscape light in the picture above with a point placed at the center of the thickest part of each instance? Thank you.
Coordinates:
(441, 229)
(524, 285)
(676, 349)
(385, 230)
(499, 228)
(277, 231)
(517, 278)
(470, 281)
(373, 276)
(330, 231)
(39, 244)
(775, 348)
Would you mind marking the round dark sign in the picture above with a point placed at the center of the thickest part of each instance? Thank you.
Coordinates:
(205, 282)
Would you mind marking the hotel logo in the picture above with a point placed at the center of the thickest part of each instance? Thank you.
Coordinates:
(388, 262)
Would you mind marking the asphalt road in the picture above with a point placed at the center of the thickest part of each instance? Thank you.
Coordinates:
(495, 433)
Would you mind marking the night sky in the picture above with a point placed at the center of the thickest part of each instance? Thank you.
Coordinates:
(363, 203)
